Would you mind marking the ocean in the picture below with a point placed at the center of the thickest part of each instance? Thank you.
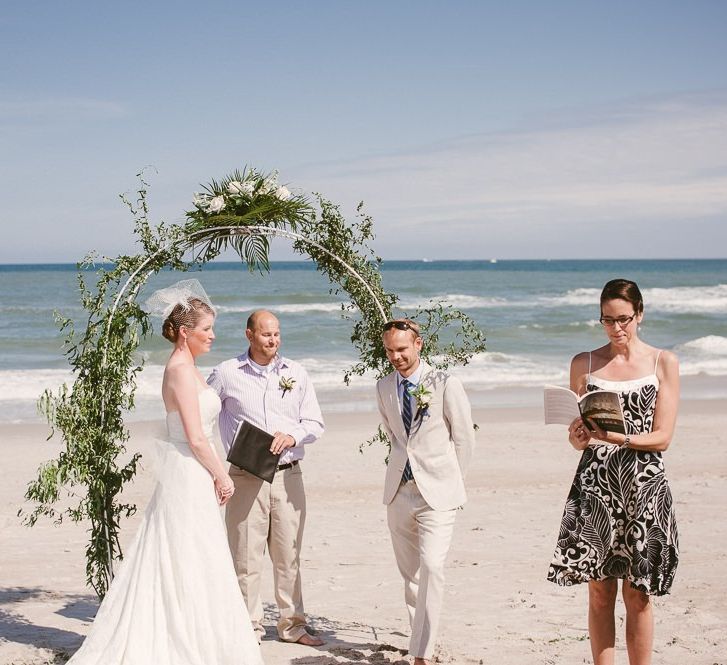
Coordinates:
(536, 316)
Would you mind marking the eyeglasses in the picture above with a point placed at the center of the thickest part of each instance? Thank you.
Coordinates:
(622, 321)
(402, 325)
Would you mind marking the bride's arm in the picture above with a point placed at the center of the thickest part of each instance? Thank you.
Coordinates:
(183, 388)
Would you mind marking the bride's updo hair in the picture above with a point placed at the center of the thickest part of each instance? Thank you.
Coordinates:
(188, 317)
(623, 289)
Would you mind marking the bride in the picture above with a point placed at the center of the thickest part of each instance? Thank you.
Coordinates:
(175, 599)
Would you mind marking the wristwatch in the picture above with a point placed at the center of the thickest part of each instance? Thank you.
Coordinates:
(626, 442)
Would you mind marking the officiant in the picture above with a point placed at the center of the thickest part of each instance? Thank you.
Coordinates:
(275, 394)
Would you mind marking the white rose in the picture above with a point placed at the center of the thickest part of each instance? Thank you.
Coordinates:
(200, 200)
(237, 188)
(269, 185)
(216, 204)
(283, 193)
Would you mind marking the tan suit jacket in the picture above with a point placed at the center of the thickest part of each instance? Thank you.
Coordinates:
(440, 442)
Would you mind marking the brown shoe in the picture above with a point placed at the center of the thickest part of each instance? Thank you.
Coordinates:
(309, 640)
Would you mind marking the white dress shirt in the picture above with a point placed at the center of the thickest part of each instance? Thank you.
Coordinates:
(414, 378)
(254, 393)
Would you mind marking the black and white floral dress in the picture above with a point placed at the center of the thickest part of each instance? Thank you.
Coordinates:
(618, 519)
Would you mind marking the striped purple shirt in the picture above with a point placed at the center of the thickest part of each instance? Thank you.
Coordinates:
(255, 396)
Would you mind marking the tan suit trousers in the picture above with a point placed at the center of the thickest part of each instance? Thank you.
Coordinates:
(421, 537)
(271, 515)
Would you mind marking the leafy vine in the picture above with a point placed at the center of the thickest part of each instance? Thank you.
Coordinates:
(240, 212)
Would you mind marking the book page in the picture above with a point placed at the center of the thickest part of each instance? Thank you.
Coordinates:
(560, 405)
(604, 408)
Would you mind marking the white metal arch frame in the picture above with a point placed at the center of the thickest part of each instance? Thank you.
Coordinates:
(189, 240)
(233, 231)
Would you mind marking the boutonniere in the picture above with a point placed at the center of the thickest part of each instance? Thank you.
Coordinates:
(423, 399)
(286, 384)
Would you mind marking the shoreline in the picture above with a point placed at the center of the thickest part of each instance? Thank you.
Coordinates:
(499, 609)
(359, 399)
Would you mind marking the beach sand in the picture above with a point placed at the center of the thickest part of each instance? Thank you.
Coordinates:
(499, 610)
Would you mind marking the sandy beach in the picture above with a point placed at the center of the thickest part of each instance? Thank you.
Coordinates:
(499, 610)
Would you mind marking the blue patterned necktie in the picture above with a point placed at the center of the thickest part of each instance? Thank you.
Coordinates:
(406, 417)
(406, 405)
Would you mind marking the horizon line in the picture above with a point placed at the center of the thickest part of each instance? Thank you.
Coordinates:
(490, 261)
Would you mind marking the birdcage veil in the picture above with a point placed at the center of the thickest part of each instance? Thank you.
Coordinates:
(162, 302)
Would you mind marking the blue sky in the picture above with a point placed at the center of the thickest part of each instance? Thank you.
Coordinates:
(470, 129)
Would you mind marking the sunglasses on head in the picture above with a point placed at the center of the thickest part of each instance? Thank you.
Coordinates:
(401, 325)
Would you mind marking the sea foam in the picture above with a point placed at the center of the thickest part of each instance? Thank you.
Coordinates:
(287, 308)
(705, 355)
(676, 300)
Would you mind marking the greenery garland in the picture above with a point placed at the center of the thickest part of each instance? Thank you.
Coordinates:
(240, 212)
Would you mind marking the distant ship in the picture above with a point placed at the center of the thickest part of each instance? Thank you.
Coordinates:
(493, 260)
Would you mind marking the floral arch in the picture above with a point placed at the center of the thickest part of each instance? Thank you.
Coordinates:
(240, 212)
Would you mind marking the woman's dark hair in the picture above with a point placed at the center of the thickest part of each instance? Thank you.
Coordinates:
(188, 318)
(623, 289)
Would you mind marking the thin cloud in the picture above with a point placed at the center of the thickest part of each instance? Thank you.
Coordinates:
(51, 109)
(644, 159)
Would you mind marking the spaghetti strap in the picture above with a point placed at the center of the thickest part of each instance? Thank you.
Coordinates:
(588, 380)
(656, 364)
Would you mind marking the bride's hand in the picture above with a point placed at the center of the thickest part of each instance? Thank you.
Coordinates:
(224, 488)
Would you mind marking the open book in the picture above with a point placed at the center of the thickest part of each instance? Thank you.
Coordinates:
(603, 407)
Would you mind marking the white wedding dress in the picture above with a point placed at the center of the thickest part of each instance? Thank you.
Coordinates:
(175, 599)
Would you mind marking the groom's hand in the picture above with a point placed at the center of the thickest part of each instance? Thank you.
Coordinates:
(281, 441)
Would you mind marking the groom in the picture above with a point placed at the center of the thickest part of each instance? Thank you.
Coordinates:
(427, 416)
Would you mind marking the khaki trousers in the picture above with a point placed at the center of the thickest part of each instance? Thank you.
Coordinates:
(271, 515)
(421, 537)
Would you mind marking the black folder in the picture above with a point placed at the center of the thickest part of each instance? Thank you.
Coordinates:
(250, 450)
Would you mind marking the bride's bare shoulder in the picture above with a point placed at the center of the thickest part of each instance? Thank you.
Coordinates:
(178, 373)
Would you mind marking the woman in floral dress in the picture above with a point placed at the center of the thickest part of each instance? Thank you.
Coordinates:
(618, 521)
